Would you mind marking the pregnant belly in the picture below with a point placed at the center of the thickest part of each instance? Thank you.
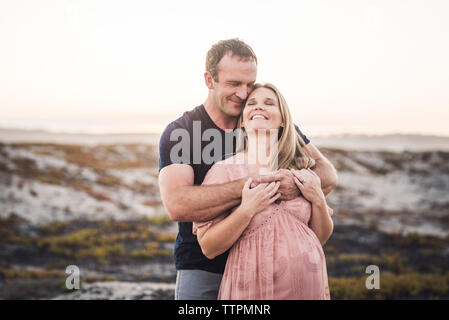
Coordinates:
(283, 257)
(299, 264)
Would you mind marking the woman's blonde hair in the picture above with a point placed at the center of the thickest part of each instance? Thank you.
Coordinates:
(290, 153)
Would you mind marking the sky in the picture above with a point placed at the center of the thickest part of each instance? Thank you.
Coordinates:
(360, 67)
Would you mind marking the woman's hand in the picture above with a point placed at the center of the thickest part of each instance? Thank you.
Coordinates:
(258, 198)
(309, 184)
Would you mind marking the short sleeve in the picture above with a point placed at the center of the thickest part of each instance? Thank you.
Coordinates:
(303, 136)
(216, 175)
(170, 141)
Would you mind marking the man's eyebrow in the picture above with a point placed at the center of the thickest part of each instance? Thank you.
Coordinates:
(234, 82)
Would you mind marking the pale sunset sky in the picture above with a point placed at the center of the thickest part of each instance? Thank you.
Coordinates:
(359, 66)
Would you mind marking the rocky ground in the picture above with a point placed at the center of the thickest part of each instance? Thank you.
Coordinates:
(98, 207)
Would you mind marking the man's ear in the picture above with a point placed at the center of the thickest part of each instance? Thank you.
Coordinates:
(209, 80)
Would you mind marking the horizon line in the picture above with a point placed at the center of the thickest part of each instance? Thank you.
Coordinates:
(58, 131)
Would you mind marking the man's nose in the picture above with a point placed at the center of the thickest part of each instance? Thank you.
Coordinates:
(242, 92)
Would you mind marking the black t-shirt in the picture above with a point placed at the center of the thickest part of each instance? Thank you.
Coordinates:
(192, 125)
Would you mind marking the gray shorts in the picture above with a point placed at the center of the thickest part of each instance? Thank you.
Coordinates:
(197, 285)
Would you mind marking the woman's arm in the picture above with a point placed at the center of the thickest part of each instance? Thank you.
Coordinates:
(219, 237)
(222, 235)
(321, 222)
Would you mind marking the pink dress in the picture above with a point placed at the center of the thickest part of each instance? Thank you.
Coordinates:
(278, 256)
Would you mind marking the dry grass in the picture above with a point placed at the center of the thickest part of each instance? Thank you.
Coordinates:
(107, 240)
(405, 286)
(11, 273)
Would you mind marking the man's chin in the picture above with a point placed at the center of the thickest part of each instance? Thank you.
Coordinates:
(234, 104)
(236, 110)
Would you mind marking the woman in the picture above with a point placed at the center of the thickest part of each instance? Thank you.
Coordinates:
(276, 245)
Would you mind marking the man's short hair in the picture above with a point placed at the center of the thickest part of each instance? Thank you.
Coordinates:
(218, 50)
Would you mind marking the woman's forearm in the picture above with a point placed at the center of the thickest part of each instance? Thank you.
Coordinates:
(222, 235)
(320, 222)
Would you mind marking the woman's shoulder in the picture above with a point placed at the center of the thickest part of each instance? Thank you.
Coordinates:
(231, 168)
(221, 171)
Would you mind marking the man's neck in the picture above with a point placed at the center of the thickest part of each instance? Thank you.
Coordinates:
(221, 120)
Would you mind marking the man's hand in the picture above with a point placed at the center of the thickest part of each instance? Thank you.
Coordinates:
(288, 188)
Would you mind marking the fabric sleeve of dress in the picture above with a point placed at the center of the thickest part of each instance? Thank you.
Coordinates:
(216, 175)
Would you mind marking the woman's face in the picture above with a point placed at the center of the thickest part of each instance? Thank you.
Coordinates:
(262, 111)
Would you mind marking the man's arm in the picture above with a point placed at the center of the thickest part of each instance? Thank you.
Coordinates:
(324, 169)
(187, 202)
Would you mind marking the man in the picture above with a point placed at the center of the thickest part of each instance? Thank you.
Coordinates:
(231, 69)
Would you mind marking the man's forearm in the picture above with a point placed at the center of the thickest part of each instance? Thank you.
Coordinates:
(214, 211)
(324, 169)
(203, 203)
(328, 175)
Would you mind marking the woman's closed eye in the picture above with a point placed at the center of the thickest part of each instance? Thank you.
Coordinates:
(267, 103)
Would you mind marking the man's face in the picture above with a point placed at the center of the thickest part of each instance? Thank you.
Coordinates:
(236, 78)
